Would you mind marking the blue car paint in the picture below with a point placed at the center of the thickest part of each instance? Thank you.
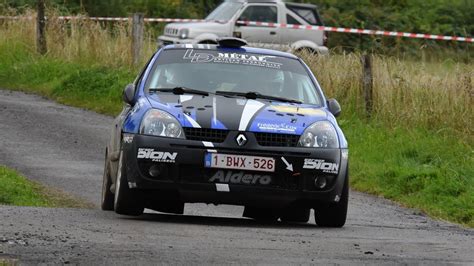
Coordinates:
(264, 116)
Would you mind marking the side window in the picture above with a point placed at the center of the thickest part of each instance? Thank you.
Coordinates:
(291, 20)
(306, 14)
(260, 13)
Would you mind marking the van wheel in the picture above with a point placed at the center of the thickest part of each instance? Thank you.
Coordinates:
(333, 214)
(208, 42)
(306, 51)
(126, 200)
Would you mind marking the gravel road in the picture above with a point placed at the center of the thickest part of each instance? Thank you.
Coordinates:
(62, 147)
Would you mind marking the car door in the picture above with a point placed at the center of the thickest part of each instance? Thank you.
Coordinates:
(257, 35)
(115, 144)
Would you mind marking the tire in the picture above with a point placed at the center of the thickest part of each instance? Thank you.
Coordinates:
(261, 214)
(306, 51)
(107, 203)
(334, 214)
(295, 215)
(207, 42)
(126, 200)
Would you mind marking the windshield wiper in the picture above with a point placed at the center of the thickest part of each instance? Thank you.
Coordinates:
(255, 95)
(180, 91)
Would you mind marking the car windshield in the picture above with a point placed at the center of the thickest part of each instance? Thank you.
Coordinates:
(225, 11)
(233, 74)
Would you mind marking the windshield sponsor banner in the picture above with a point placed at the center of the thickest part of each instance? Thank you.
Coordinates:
(231, 58)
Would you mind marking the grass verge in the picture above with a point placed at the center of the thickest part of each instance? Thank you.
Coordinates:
(89, 86)
(19, 191)
(419, 168)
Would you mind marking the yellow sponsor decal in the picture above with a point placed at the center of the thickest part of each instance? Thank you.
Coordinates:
(296, 110)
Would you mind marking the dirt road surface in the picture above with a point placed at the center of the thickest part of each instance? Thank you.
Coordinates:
(63, 147)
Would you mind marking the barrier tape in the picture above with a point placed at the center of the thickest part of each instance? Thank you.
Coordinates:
(278, 25)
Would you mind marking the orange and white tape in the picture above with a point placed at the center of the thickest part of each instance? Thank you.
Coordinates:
(278, 25)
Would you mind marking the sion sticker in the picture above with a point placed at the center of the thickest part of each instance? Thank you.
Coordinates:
(222, 176)
(318, 164)
(156, 156)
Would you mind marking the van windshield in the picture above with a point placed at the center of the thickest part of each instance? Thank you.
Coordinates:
(225, 11)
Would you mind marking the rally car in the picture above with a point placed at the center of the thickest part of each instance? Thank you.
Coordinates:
(228, 124)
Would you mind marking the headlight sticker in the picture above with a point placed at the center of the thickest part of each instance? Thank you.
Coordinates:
(318, 164)
(277, 127)
(298, 110)
(157, 156)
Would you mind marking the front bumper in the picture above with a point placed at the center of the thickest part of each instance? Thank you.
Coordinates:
(183, 175)
(167, 40)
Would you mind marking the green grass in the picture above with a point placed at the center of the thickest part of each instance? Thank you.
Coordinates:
(19, 191)
(93, 87)
(428, 169)
(416, 167)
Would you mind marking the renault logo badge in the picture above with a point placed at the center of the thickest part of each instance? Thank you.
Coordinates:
(241, 139)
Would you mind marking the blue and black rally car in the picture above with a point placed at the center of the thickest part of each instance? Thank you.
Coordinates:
(228, 124)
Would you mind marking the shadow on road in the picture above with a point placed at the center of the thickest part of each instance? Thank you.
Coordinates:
(217, 221)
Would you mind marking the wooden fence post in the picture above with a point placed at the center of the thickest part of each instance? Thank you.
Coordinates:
(137, 37)
(41, 28)
(367, 82)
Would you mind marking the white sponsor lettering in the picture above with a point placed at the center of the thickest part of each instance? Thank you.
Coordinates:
(231, 58)
(156, 156)
(240, 178)
(318, 164)
(276, 127)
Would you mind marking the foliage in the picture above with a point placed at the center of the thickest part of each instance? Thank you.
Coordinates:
(17, 190)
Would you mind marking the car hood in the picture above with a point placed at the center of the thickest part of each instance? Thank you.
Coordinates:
(236, 113)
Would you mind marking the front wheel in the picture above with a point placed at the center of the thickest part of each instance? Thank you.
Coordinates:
(107, 203)
(126, 200)
(334, 214)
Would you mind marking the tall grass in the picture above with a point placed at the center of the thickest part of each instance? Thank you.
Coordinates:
(81, 40)
(437, 96)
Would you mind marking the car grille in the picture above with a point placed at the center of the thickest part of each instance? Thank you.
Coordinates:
(171, 31)
(277, 140)
(205, 134)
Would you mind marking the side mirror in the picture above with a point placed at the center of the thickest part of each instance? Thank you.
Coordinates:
(129, 94)
(334, 107)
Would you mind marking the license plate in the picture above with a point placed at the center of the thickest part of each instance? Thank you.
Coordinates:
(239, 162)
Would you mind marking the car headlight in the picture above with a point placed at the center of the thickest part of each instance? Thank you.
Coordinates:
(321, 134)
(183, 33)
(160, 123)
